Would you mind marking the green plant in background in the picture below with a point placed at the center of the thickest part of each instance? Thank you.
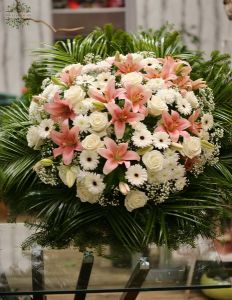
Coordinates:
(63, 219)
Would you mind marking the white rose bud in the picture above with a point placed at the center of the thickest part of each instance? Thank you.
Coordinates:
(92, 142)
(191, 147)
(33, 138)
(124, 188)
(74, 95)
(153, 160)
(156, 106)
(135, 199)
(85, 195)
(98, 121)
(133, 78)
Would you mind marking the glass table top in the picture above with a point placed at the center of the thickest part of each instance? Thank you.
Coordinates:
(67, 271)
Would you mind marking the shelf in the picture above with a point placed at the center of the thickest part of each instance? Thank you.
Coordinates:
(96, 10)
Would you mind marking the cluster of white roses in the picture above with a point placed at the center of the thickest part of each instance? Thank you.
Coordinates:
(137, 117)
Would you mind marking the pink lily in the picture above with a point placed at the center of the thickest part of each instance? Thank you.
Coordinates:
(128, 66)
(121, 116)
(60, 110)
(108, 95)
(174, 125)
(116, 154)
(138, 95)
(68, 142)
(198, 84)
(195, 126)
(68, 76)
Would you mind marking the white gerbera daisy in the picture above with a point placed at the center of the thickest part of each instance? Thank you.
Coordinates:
(180, 183)
(150, 63)
(45, 128)
(192, 99)
(207, 121)
(161, 140)
(183, 106)
(98, 86)
(82, 122)
(103, 78)
(169, 95)
(85, 106)
(33, 138)
(142, 138)
(84, 79)
(89, 159)
(155, 84)
(94, 183)
(136, 175)
(139, 126)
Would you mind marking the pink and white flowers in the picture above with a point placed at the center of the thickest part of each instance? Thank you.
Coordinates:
(127, 130)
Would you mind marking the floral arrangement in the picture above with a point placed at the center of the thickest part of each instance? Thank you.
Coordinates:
(120, 139)
(131, 125)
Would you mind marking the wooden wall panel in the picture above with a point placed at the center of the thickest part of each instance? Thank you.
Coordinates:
(205, 19)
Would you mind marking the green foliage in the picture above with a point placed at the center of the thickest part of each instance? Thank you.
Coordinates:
(34, 78)
(63, 219)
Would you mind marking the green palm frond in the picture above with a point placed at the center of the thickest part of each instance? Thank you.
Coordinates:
(16, 158)
(102, 42)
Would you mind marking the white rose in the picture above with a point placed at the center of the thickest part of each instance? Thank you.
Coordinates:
(33, 138)
(155, 84)
(98, 121)
(92, 142)
(133, 78)
(153, 160)
(50, 91)
(191, 147)
(135, 199)
(85, 195)
(74, 95)
(156, 106)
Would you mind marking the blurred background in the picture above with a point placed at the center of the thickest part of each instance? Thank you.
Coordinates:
(204, 24)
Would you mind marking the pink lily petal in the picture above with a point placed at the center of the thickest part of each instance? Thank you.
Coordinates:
(122, 149)
(127, 164)
(119, 128)
(110, 144)
(131, 155)
(68, 155)
(174, 135)
(105, 153)
(184, 134)
(109, 166)
(57, 151)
